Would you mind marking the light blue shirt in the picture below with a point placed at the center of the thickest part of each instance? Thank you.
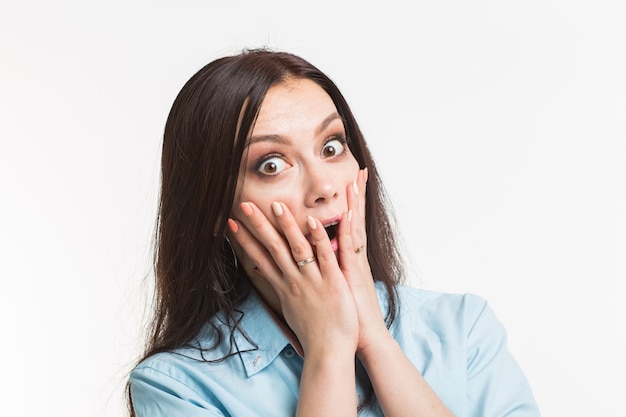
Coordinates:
(455, 341)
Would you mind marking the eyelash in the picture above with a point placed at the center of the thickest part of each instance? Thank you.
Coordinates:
(341, 138)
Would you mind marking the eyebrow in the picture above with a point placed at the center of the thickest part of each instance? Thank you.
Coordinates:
(279, 139)
(326, 122)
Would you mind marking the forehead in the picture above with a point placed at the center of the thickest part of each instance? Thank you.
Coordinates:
(293, 104)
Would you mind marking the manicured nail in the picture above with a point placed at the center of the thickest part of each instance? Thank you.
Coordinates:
(355, 187)
(277, 209)
(232, 225)
(349, 215)
(312, 223)
(365, 174)
(247, 209)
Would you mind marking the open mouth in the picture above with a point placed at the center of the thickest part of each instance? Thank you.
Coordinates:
(331, 230)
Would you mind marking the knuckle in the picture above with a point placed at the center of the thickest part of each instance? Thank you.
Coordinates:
(320, 239)
(324, 256)
(294, 289)
(256, 221)
(274, 246)
(298, 249)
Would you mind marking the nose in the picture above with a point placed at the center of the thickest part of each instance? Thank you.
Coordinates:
(321, 186)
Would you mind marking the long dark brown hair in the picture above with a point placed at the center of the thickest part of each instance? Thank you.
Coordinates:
(203, 147)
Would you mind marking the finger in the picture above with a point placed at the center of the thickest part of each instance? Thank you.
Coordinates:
(356, 204)
(345, 237)
(326, 257)
(362, 186)
(356, 193)
(257, 222)
(257, 253)
(265, 232)
(300, 247)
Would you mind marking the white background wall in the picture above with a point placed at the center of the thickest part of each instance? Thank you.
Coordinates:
(499, 127)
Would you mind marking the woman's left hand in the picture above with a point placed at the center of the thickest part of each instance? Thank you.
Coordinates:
(355, 266)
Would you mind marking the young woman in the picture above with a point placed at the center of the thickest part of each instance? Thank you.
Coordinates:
(278, 278)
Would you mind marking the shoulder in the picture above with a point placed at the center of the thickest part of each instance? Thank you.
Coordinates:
(435, 299)
(185, 366)
(213, 348)
(183, 380)
(454, 318)
(439, 306)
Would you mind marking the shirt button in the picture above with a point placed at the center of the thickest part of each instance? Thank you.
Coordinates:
(289, 353)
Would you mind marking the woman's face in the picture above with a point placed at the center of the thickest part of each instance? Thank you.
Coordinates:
(297, 154)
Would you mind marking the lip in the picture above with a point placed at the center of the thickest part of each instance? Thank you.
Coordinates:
(330, 221)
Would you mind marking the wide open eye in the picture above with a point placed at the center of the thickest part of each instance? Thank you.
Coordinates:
(272, 166)
(333, 148)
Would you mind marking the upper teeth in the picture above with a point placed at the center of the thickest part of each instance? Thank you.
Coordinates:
(331, 224)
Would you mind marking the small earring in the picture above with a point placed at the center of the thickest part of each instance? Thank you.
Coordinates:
(233, 252)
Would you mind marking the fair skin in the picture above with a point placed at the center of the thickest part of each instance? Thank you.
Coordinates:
(300, 176)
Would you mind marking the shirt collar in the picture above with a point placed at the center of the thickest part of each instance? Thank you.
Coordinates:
(261, 336)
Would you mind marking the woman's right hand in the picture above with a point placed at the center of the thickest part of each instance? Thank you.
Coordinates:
(315, 299)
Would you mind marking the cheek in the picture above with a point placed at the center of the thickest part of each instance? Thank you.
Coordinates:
(263, 196)
(350, 171)
(289, 197)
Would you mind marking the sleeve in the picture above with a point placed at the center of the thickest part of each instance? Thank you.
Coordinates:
(156, 394)
(496, 385)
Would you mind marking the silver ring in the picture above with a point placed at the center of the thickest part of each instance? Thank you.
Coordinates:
(359, 249)
(306, 261)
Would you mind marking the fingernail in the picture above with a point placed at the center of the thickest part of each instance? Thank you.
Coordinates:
(355, 187)
(349, 215)
(247, 209)
(312, 223)
(277, 209)
(232, 225)
(365, 174)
